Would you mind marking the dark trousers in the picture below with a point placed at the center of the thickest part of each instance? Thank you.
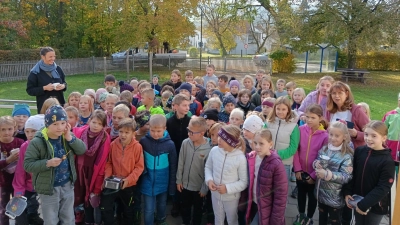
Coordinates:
(127, 198)
(189, 199)
(369, 219)
(326, 212)
(209, 207)
(31, 208)
(306, 190)
(347, 215)
(5, 193)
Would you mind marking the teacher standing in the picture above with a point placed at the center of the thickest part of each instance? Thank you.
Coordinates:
(46, 79)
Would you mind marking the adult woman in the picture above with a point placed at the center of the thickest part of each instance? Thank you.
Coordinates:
(46, 79)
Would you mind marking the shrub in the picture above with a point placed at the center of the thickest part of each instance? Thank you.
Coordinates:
(22, 54)
(193, 52)
(342, 59)
(388, 61)
(283, 62)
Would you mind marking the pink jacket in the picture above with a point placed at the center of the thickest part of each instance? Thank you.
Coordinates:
(22, 180)
(360, 119)
(310, 144)
(272, 185)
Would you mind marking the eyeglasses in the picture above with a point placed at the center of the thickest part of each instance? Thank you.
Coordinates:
(191, 133)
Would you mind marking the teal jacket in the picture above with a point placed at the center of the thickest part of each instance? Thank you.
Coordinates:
(39, 151)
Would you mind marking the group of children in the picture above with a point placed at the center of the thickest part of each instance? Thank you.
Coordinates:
(225, 149)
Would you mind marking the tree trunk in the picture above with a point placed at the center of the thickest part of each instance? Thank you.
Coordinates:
(221, 46)
(352, 52)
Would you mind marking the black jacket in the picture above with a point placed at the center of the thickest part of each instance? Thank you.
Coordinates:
(177, 130)
(34, 87)
(246, 108)
(373, 176)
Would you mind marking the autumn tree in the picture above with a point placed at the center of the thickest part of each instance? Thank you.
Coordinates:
(10, 26)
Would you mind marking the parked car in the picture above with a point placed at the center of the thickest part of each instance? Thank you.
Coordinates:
(261, 60)
(165, 59)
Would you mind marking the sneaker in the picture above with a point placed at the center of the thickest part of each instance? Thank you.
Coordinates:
(299, 219)
(35, 219)
(294, 192)
(175, 211)
(293, 177)
(308, 221)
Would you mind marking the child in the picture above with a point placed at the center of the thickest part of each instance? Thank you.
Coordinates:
(72, 116)
(213, 103)
(90, 166)
(228, 104)
(109, 80)
(190, 174)
(126, 96)
(267, 107)
(338, 170)
(47, 104)
(210, 69)
(259, 75)
(21, 113)
(265, 84)
(282, 123)
(91, 93)
(22, 182)
(312, 132)
(85, 109)
(195, 106)
(298, 96)
(102, 101)
(148, 102)
(137, 99)
(73, 99)
(236, 117)
(50, 159)
(392, 121)
(373, 176)
(160, 162)
(211, 85)
(97, 101)
(280, 86)
(142, 120)
(8, 143)
(217, 94)
(125, 161)
(226, 184)
(176, 78)
(234, 87)
(290, 86)
(134, 83)
(211, 117)
(268, 206)
(248, 84)
(200, 94)
(222, 82)
(164, 99)
(110, 101)
(264, 94)
(213, 134)
(244, 101)
(189, 76)
(251, 126)
(119, 113)
(155, 84)
(367, 111)
(199, 80)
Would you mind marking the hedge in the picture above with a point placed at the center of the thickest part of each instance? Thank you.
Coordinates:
(388, 61)
(23, 54)
(283, 62)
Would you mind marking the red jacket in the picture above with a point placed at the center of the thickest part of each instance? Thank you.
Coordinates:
(272, 189)
(99, 167)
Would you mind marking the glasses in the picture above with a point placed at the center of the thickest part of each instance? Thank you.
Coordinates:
(191, 133)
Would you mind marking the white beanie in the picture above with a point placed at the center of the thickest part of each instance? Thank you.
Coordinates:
(253, 124)
(35, 122)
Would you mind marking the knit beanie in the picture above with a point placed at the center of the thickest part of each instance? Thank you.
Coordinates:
(98, 92)
(125, 87)
(211, 114)
(185, 86)
(102, 97)
(228, 99)
(268, 103)
(253, 124)
(21, 109)
(54, 114)
(90, 92)
(35, 122)
(234, 83)
(217, 92)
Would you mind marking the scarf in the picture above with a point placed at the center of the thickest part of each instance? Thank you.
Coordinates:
(97, 142)
(113, 133)
(46, 68)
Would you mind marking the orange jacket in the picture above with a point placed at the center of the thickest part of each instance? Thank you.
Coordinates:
(125, 162)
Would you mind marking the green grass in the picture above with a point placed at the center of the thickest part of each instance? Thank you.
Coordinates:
(380, 92)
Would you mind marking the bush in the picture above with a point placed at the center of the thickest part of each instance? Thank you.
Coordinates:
(22, 54)
(193, 52)
(342, 59)
(386, 61)
(283, 62)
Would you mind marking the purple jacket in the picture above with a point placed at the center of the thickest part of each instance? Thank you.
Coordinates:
(272, 185)
(311, 98)
(310, 144)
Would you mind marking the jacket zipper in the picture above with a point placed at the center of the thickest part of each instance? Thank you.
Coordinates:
(190, 167)
(277, 132)
(308, 149)
(122, 158)
(223, 166)
(362, 177)
(154, 177)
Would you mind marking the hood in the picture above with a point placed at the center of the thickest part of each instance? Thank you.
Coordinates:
(204, 146)
(165, 137)
(130, 146)
(43, 133)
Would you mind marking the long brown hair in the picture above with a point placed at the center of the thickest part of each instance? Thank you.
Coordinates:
(281, 100)
(317, 110)
(331, 105)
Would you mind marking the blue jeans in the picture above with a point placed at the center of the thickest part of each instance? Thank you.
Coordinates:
(150, 203)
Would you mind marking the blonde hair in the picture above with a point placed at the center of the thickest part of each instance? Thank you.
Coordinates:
(237, 112)
(211, 66)
(188, 73)
(331, 105)
(199, 80)
(366, 107)
(114, 96)
(144, 85)
(166, 94)
(199, 122)
(265, 134)
(281, 81)
(177, 72)
(215, 127)
(269, 80)
(179, 98)
(290, 84)
(235, 132)
(328, 78)
(73, 110)
(127, 123)
(248, 77)
(134, 83)
(285, 101)
(346, 149)
(48, 103)
(149, 92)
(126, 96)
(211, 82)
(121, 108)
(8, 120)
(301, 91)
(213, 100)
(90, 100)
(158, 120)
(378, 126)
(74, 94)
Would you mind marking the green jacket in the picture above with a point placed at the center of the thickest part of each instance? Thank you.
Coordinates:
(39, 151)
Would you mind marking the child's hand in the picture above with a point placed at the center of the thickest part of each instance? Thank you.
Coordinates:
(67, 132)
(221, 189)
(124, 183)
(212, 186)
(179, 187)
(202, 195)
(321, 173)
(317, 165)
(347, 199)
(298, 175)
(310, 181)
(12, 158)
(54, 162)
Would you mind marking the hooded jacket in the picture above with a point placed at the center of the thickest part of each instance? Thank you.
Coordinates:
(39, 151)
(22, 180)
(312, 98)
(392, 121)
(310, 144)
(373, 176)
(160, 163)
(191, 165)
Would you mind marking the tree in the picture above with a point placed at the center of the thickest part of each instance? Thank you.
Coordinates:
(11, 28)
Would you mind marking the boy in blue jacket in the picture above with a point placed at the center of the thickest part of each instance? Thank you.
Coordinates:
(159, 177)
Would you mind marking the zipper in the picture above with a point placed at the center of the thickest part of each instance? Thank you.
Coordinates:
(154, 169)
(190, 167)
(308, 149)
(122, 158)
(222, 171)
(362, 177)
(277, 132)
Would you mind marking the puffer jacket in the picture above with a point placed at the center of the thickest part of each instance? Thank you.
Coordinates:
(229, 168)
(271, 189)
(39, 151)
(330, 192)
(160, 164)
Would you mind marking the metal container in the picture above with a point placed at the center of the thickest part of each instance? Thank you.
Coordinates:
(15, 207)
(113, 183)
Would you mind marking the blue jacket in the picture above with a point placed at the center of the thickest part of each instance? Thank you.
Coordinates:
(160, 164)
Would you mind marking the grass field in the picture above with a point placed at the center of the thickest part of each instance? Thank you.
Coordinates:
(380, 92)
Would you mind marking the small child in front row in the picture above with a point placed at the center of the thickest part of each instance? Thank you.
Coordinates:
(125, 161)
(160, 165)
(190, 175)
(373, 176)
(22, 182)
(263, 205)
(50, 158)
(333, 175)
(226, 184)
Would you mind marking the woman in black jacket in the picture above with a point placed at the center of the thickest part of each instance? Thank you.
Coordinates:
(46, 79)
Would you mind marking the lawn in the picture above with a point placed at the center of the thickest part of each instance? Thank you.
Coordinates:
(380, 92)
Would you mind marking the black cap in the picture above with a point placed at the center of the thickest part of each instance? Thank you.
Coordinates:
(211, 114)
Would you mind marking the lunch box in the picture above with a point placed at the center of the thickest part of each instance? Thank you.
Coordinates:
(15, 207)
(112, 182)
